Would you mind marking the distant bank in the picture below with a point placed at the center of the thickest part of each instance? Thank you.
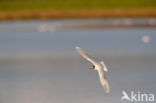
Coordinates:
(51, 9)
(54, 14)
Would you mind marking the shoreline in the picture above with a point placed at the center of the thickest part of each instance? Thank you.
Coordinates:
(68, 14)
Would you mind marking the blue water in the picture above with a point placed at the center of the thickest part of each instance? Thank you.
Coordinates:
(38, 66)
(26, 36)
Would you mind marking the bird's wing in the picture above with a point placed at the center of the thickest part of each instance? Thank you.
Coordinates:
(103, 81)
(85, 55)
(104, 66)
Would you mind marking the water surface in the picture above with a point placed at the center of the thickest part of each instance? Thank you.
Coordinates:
(38, 61)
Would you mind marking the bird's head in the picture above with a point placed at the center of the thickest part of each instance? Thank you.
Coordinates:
(93, 67)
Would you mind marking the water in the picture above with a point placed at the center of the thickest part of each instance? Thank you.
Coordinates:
(38, 61)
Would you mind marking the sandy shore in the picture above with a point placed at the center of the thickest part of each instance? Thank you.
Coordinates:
(54, 14)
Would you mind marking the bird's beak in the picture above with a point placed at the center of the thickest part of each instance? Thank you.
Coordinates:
(91, 68)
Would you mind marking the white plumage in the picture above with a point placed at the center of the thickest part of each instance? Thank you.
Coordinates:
(99, 66)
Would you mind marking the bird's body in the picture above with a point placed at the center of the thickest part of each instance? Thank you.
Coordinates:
(100, 67)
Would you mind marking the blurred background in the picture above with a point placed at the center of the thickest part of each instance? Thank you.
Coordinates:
(39, 63)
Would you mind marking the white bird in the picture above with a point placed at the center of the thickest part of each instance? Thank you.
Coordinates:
(99, 66)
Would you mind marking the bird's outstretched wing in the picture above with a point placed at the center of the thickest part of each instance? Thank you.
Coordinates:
(104, 83)
(85, 55)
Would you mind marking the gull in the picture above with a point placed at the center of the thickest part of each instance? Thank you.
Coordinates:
(99, 66)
